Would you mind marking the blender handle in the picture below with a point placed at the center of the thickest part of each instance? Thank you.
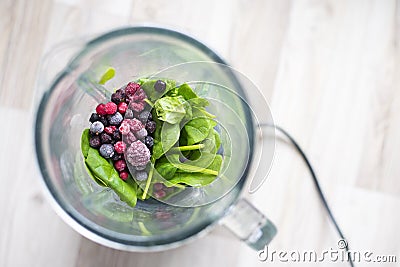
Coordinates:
(249, 225)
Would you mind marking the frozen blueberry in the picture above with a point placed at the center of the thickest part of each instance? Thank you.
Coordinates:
(140, 168)
(149, 141)
(105, 138)
(129, 114)
(150, 126)
(96, 128)
(107, 151)
(115, 119)
(94, 141)
(94, 117)
(142, 133)
(145, 116)
(160, 86)
(141, 175)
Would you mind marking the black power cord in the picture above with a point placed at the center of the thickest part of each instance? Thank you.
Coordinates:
(316, 184)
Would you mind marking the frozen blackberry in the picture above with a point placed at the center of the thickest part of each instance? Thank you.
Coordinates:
(116, 135)
(141, 175)
(160, 86)
(107, 151)
(115, 119)
(94, 141)
(104, 121)
(129, 114)
(150, 126)
(145, 116)
(142, 133)
(149, 141)
(118, 96)
(94, 117)
(96, 128)
(105, 138)
(117, 157)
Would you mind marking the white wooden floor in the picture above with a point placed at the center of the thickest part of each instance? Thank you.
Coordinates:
(331, 71)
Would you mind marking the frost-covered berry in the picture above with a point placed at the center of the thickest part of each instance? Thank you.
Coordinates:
(107, 151)
(116, 157)
(140, 168)
(159, 194)
(116, 135)
(101, 109)
(131, 88)
(149, 141)
(105, 138)
(160, 86)
(120, 147)
(110, 129)
(120, 165)
(94, 141)
(124, 128)
(141, 134)
(158, 186)
(124, 175)
(141, 176)
(104, 121)
(96, 128)
(118, 96)
(144, 116)
(138, 154)
(115, 119)
(94, 117)
(122, 107)
(137, 106)
(140, 95)
(135, 125)
(150, 126)
(111, 108)
(129, 114)
(130, 138)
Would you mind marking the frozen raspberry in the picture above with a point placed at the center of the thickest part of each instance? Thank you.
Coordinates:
(115, 119)
(144, 116)
(150, 126)
(140, 168)
(94, 141)
(137, 106)
(110, 129)
(94, 117)
(142, 133)
(105, 138)
(129, 114)
(131, 88)
(130, 138)
(120, 147)
(122, 107)
(149, 141)
(96, 128)
(111, 108)
(140, 95)
(160, 86)
(124, 128)
(141, 176)
(138, 154)
(101, 109)
(107, 151)
(120, 165)
(124, 175)
(135, 125)
(160, 194)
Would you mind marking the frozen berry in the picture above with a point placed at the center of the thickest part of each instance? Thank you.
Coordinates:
(140, 95)
(141, 176)
(144, 116)
(129, 114)
(120, 147)
(111, 108)
(105, 138)
(140, 168)
(135, 125)
(130, 138)
(141, 134)
(96, 128)
(118, 96)
(124, 128)
(115, 119)
(149, 141)
(107, 151)
(138, 154)
(131, 88)
(159, 194)
(116, 135)
(101, 109)
(124, 175)
(94, 117)
(158, 186)
(137, 106)
(117, 157)
(150, 126)
(122, 107)
(104, 121)
(120, 165)
(160, 86)
(94, 141)
(110, 129)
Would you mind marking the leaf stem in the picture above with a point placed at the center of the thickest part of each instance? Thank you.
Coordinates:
(151, 104)
(146, 189)
(187, 148)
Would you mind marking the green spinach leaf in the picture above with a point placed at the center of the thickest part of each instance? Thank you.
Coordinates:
(186, 91)
(85, 142)
(170, 109)
(168, 137)
(198, 129)
(192, 179)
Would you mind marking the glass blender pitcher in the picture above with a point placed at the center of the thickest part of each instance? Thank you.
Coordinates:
(68, 94)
